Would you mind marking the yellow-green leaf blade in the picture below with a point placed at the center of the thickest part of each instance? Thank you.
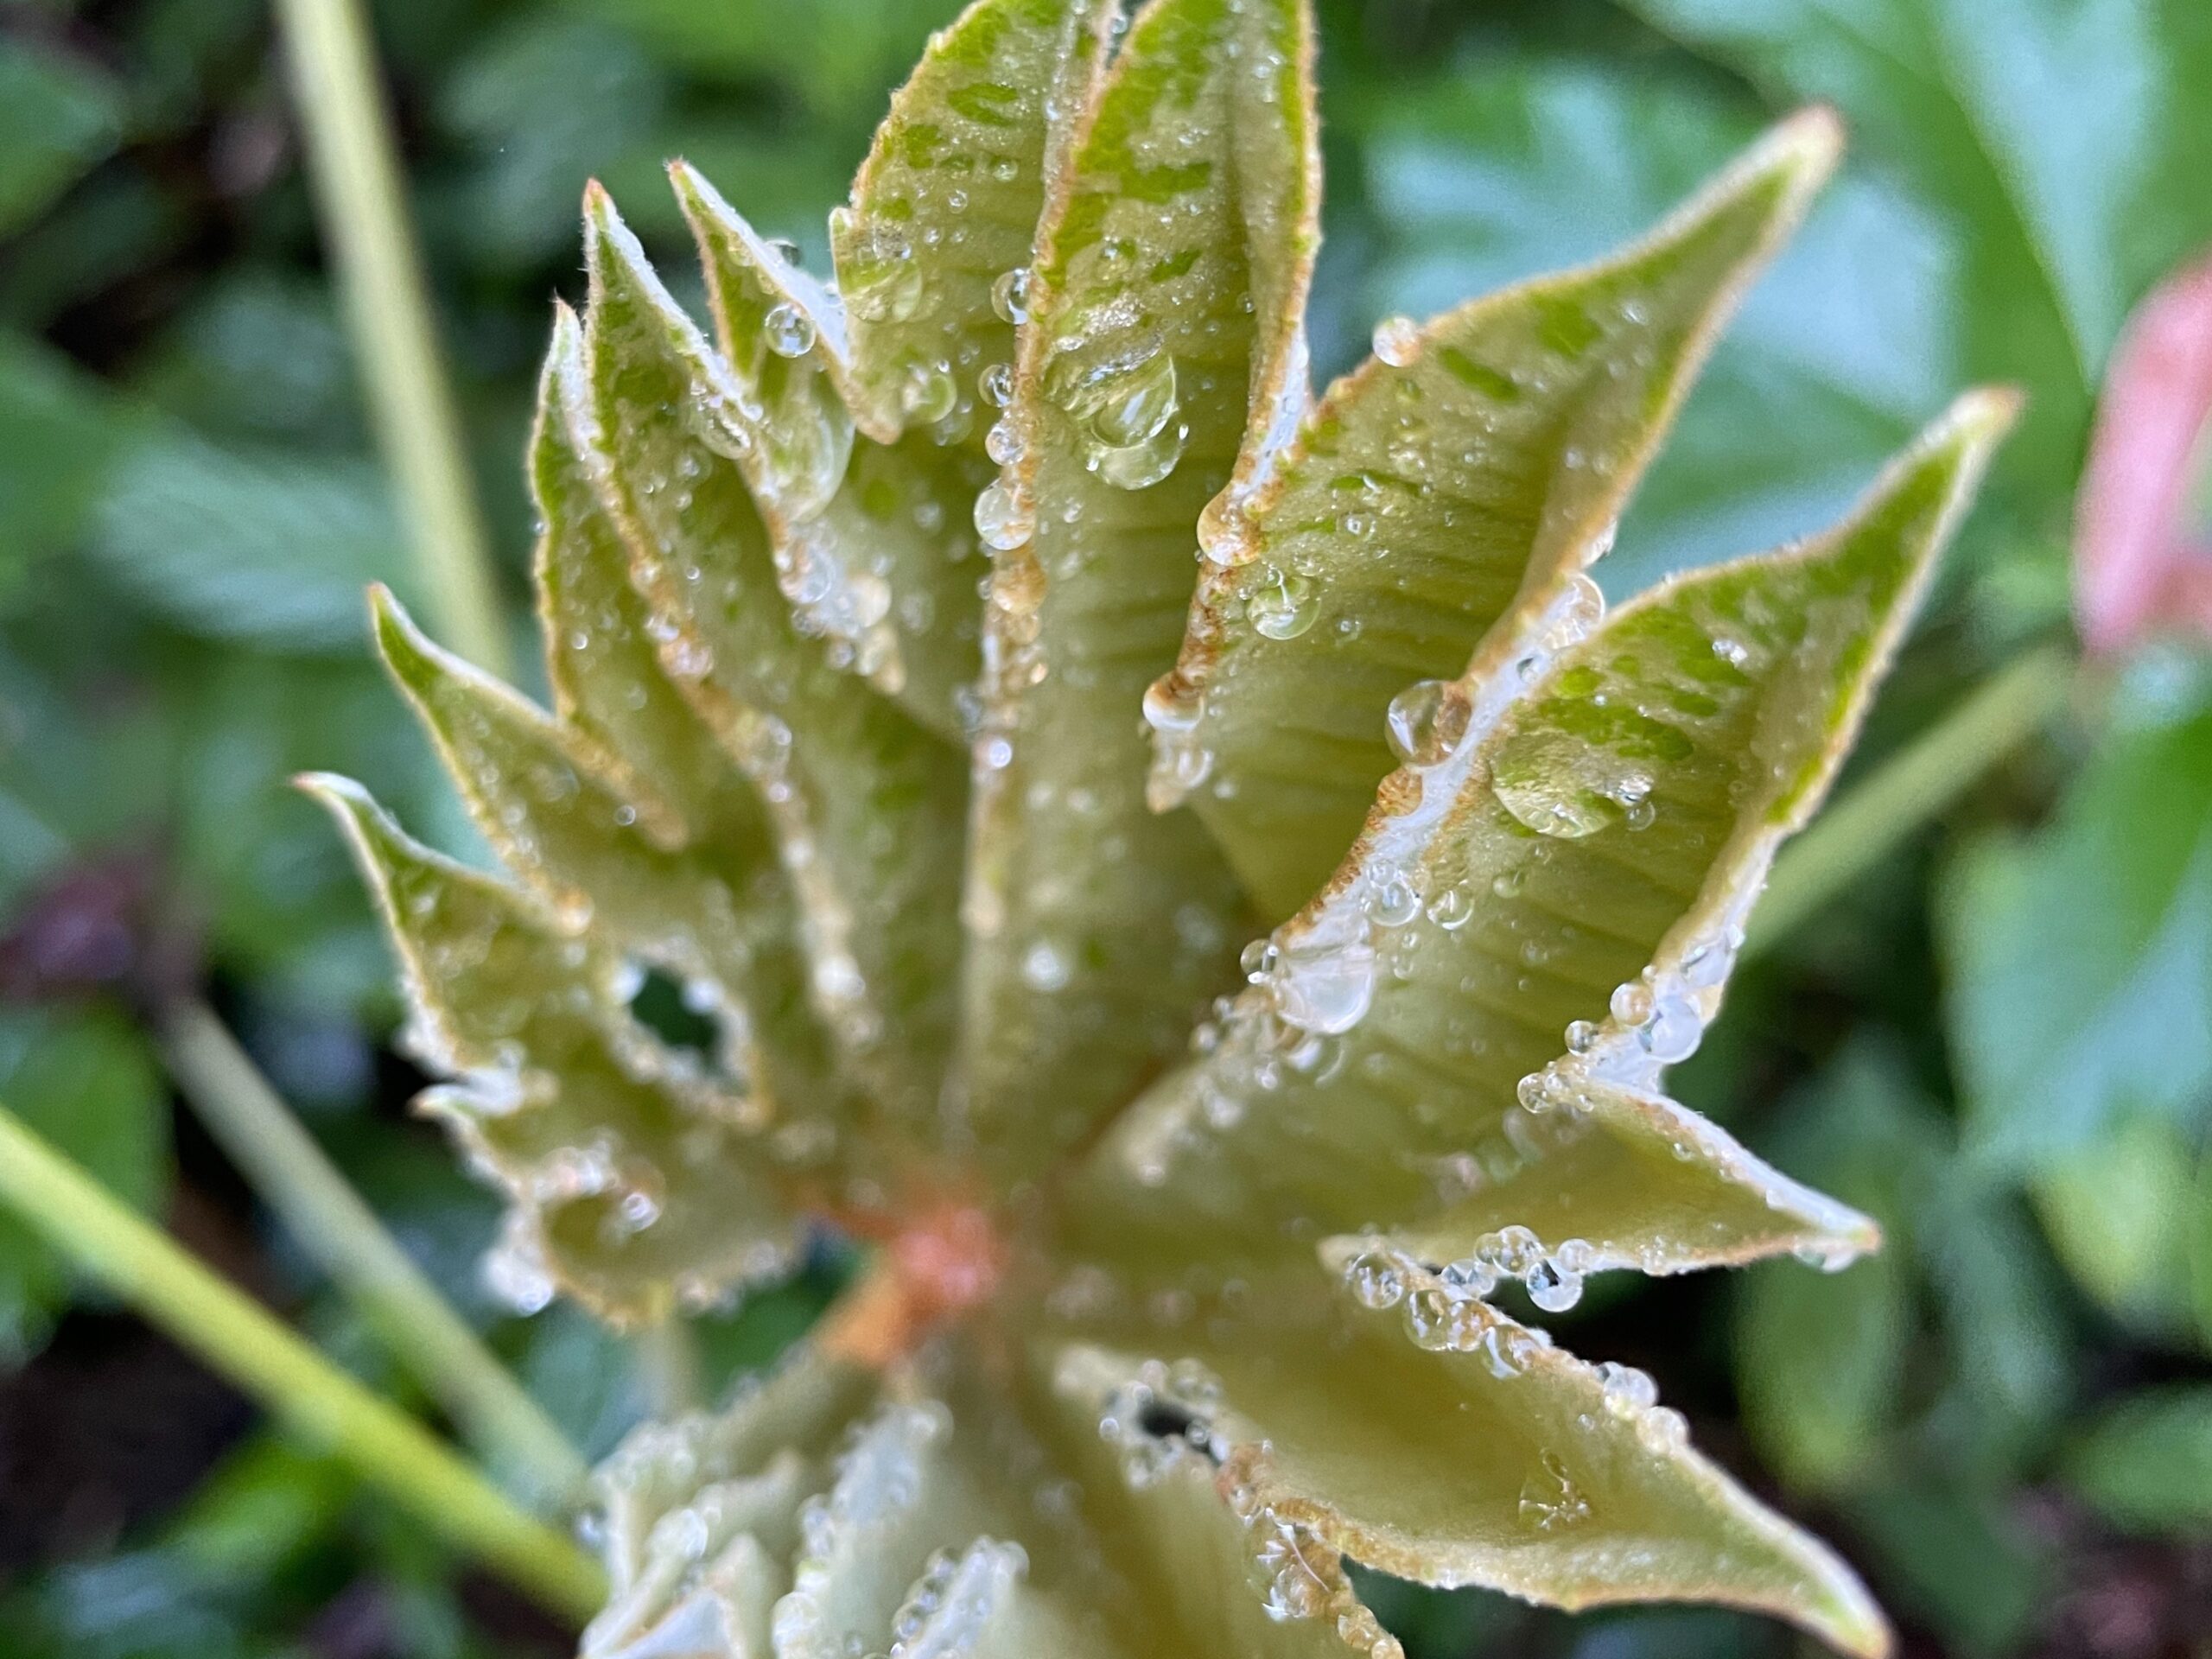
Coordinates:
(868, 805)
(1638, 1181)
(1168, 286)
(602, 663)
(1213, 1582)
(714, 907)
(637, 1185)
(873, 542)
(947, 204)
(1553, 903)
(1469, 470)
(1435, 1438)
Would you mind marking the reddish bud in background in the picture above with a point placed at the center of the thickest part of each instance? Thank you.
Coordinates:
(2141, 567)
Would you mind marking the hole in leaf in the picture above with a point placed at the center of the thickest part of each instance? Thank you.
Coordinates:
(1164, 1420)
(660, 1006)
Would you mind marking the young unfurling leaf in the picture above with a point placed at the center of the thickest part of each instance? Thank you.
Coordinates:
(952, 671)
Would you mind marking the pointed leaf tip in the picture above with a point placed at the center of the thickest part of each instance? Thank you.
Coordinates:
(1450, 486)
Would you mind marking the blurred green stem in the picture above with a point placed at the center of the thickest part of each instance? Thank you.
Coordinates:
(668, 1362)
(313, 1397)
(355, 170)
(328, 1218)
(1869, 822)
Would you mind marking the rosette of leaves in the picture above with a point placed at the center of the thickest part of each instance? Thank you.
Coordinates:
(1188, 870)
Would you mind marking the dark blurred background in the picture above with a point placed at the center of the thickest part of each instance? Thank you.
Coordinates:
(1997, 1039)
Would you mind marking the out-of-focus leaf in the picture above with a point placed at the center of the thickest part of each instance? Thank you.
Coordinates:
(1168, 343)
(2198, 1244)
(260, 354)
(546, 102)
(59, 431)
(636, 1183)
(1509, 166)
(2005, 1325)
(2082, 957)
(1818, 1366)
(264, 1505)
(1467, 474)
(2117, 1211)
(869, 805)
(585, 1377)
(1956, 1560)
(263, 548)
(88, 1083)
(1564, 865)
(2067, 144)
(284, 905)
(1463, 1448)
(2147, 1465)
(874, 41)
(58, 117)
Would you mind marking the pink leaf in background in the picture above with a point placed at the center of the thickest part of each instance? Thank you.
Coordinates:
(2139, 566)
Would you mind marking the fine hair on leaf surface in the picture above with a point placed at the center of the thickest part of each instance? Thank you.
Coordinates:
(1187, 870)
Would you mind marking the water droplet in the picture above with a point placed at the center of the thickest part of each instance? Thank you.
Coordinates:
(1452, 909)
(1375, 1279)
(1323, 986)
(1554, 1288)
(1140, 465)
(1282, 604)
(1550, 1502)
(1627, 1390)
(1135, 405)
(1391, 900)
(1171, 706)
(1010, 295)
(1427, 721)
(1003, 519)
(926, 391)
(790, 332)
(1225, 535)
(1044, 969)
(1560, 784)
(1632, 1003)
(1673, 1030)
(1397, 340)
(879, 276)
(996, 383)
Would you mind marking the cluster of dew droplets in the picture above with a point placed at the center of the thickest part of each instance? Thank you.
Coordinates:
(1654, 1020)
(1446, 1311)
(804, 447)
(515, 1269)
(1566, 786)
(1297, 1575)
(1125, 405)
(953, 1603)
(1449, 1309)
(1162, 1419)
(879, 1478)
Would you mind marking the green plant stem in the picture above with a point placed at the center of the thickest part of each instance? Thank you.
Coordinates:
(354, 168)
(668, 1363)
(328, 1218)
(309, 1393)
(1931, 773)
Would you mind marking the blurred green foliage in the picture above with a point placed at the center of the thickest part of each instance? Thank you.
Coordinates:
(2000, 1045)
